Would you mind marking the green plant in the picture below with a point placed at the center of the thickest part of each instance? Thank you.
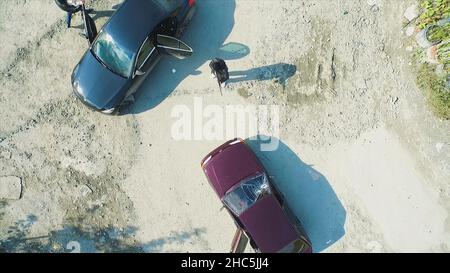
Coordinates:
(443, 54)
(433, 11)
(437, 34)
(436, 90)
(443, 50)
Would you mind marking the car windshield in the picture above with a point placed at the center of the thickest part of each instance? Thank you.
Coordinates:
(112, 55)
(246, 194)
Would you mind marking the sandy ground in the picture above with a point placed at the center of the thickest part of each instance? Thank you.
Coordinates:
(362, 161)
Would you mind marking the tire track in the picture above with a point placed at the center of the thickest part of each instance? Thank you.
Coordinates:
(24, 53)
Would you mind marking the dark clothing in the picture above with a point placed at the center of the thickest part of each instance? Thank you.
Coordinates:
(69, 19)
(220, 69)
(69, 8)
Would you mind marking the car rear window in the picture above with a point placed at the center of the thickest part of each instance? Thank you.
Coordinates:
(246, 194)
(168, 5)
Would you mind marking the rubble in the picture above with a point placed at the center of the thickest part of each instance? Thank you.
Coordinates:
(412, 12)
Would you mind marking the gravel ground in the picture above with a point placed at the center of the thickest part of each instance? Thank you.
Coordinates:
(363, 162)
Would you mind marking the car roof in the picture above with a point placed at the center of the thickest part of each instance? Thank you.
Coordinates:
(229, 165)
(134, 20)
(268, 225)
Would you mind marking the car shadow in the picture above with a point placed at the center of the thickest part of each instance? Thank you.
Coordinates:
(206, 34)
(280, 72)
(308, 193)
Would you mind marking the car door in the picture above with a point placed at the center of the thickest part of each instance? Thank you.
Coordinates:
(147, 57)
(146, 60)
(172, 46)
(239, 242)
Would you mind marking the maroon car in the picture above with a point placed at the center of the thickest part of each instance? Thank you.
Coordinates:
(256, 206)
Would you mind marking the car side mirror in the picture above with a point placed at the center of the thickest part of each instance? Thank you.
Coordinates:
(139, 72)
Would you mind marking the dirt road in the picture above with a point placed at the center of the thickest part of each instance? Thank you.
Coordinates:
(362, 161)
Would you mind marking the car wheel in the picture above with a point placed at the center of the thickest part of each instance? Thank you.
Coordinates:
(62, 4)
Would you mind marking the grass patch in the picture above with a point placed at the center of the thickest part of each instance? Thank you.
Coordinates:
(443, 52)
(437, 34)
(436, 90)
(433, 11)
(435, 85)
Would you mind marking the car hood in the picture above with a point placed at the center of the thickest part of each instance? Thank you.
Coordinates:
(230, 166)
(97, 85)
(268, 225)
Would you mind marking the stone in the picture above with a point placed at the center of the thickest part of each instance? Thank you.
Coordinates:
(421, 39)
(85, 190)
(410, 31)
(10, 187)
(412, 12)
(375, 8)
(432, 55)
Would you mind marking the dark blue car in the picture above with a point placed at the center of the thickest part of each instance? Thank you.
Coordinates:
(128, 47)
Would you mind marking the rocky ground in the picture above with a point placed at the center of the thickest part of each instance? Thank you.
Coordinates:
(363, 162)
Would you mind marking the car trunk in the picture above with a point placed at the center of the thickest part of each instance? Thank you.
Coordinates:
(268, 226)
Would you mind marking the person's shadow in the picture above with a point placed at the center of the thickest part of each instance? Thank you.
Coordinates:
(206, 34)
(307, 192)
(96, 15)
(280, 72)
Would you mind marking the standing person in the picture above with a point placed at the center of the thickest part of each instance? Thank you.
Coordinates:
(76, 3)
(71, 7)
(219, 70)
